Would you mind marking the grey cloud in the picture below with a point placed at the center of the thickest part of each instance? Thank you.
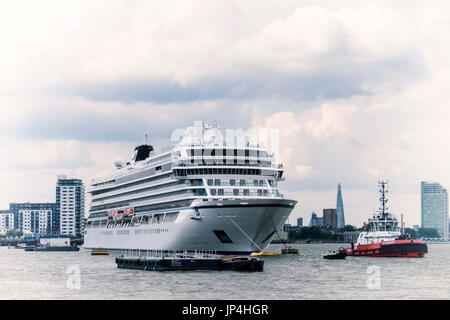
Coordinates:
(334, 78)
(66, 122)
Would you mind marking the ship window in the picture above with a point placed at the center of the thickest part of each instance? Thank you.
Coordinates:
(213, 192)
(200, 192)
(210, 182)
(242, 182)
(232, 182)
(220, 192)
(246, 192)
(236, 192)
(217, 182)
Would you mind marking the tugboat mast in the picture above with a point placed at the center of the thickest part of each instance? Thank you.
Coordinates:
(383, 190)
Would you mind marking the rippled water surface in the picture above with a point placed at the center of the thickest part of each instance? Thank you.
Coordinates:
(47, 275)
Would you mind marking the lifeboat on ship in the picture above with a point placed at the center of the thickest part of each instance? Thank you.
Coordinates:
(383, 237)
(121, 213)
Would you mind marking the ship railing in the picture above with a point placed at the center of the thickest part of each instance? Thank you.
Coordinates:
(217, 164)
(169, 254)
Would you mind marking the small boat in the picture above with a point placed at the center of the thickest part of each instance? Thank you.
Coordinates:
(52, 248)
(100, 253)
(263, 253)
(190, 263)
(341, 254)
(383, 236)
(289, 250)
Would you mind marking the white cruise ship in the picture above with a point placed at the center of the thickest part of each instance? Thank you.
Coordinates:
(197, 195)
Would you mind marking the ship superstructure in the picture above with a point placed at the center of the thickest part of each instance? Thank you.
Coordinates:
(201, 194)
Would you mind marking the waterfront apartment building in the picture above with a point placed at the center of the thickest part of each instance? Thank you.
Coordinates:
(70, 205)
(36, 221)
(34, 217)
(330, 218)
(434, 206)
(6, 221)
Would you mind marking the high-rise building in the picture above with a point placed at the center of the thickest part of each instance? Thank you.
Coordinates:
(299, 222)
(34, 217)
(316, 221)
(329, 218)
(70, 195)
(6, 221)
(340, 209)
(434, 205)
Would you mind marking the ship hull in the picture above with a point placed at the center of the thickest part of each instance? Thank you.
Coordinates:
(229, 226)
(396, 249)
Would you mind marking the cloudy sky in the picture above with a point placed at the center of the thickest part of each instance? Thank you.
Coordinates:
(358, 89)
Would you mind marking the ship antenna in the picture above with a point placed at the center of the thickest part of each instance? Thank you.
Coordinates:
(383, 190)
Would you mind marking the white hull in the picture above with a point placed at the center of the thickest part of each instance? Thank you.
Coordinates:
(238, 219)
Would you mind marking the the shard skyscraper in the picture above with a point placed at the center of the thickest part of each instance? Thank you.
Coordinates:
(340, 209)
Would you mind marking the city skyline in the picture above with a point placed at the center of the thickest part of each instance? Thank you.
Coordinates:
(359, 98)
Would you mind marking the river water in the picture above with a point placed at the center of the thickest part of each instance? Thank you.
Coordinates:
(78, 275)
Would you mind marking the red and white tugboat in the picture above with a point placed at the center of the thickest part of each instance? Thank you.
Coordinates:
(382, 236)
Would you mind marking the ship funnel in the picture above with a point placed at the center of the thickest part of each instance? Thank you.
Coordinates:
(142, 152)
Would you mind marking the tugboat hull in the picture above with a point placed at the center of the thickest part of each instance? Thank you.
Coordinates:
(397, 248)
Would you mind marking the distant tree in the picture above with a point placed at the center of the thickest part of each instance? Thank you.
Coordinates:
(14, 233)
(348, 228)
(315, 233)
(412, 233)
(428, 233)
